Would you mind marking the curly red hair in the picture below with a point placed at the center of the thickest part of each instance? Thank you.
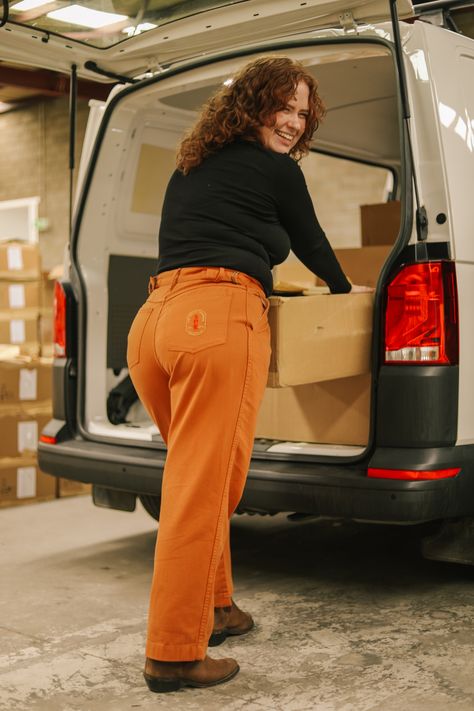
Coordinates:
(245, 104)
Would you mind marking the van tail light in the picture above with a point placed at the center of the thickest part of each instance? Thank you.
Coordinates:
(47, 439)
(413, 474)
(421, 317)
(59, 331)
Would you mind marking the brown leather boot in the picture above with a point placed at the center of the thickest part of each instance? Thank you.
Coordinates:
(229, 621)
(171, 676)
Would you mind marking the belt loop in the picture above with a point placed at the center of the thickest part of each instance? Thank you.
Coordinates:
(152, 284)
(175, 278)
(220, 274)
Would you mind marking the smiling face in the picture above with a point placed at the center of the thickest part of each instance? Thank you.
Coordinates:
(288, 124)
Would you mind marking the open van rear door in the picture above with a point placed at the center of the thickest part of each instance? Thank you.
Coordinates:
(133, 37)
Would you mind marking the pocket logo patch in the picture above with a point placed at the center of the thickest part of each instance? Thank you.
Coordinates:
(196, 322)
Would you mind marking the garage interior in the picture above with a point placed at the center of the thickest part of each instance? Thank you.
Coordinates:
(349, 617)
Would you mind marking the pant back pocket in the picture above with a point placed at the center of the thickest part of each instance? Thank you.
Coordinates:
(197, 319)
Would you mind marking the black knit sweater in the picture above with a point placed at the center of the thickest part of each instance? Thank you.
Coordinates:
(244, 208)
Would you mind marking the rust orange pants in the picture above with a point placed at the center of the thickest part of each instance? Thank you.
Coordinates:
(198, 354)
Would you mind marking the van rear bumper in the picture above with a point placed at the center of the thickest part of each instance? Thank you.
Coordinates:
(335, 490)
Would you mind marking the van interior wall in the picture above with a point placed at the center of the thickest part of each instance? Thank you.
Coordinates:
(123, 212)
(34, 161)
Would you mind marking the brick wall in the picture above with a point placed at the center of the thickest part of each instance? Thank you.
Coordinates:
(34, 161)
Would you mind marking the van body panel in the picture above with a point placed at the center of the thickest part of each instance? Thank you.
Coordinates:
(450, 56)
(422, 417)
(201, 31)
(465, 280)
(339, 491)
(417, 406)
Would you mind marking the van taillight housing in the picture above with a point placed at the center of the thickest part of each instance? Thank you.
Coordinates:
(421, 316)
(59, 331)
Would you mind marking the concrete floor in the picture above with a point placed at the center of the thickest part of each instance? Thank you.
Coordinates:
(349, 617)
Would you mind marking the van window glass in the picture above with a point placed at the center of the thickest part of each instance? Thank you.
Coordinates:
(103, 23)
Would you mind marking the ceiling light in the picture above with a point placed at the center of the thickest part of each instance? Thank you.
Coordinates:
(25, 5)
(77, 15)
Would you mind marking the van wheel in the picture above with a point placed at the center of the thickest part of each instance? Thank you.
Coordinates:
(151, 504)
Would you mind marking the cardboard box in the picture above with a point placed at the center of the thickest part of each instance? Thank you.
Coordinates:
(19, 261)
(20, 327)
(332, 412)
(48, 280)
(67, 487)
(46, 332)
(22, 481)
(318, 338)
(19, 295)
(380, 223)
(24, 379)
(20, 427)
(292, 271)
(362, 265)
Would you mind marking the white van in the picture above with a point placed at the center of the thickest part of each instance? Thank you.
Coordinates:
(399, 102)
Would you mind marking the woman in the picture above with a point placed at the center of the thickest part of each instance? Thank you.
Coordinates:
(199, 348)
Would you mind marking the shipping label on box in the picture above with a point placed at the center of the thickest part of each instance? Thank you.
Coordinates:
(19, 295)
(19, 261)
(25, 379)
(22, 481)
(20, 427)
(318, 338)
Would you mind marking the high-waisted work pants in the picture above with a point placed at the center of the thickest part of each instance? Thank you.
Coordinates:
(198, 355)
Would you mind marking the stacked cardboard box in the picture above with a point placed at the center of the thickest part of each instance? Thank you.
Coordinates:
(25, 407)
(320, 372)
(20, 296)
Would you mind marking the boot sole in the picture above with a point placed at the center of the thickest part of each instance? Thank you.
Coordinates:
(163, 686)
(218, 638)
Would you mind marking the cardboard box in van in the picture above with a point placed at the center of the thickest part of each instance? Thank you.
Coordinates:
(330, 412)
(19, 261)
(380, 223)
(362, 265)
(320, 337)
(292, 271)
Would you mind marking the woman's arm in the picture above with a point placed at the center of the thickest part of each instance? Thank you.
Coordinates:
(308, 240)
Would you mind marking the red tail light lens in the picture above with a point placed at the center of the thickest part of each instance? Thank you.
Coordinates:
(413, 474)
(59, 321)
(47, 439)
(421, 318)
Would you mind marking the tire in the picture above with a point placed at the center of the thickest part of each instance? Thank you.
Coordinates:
(151, 504)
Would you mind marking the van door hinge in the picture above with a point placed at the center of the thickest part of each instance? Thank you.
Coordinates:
(347, 22)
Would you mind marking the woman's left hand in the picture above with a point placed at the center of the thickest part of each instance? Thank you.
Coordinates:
(358, 289)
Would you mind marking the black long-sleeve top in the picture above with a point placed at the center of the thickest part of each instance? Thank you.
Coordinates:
(244, 207)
